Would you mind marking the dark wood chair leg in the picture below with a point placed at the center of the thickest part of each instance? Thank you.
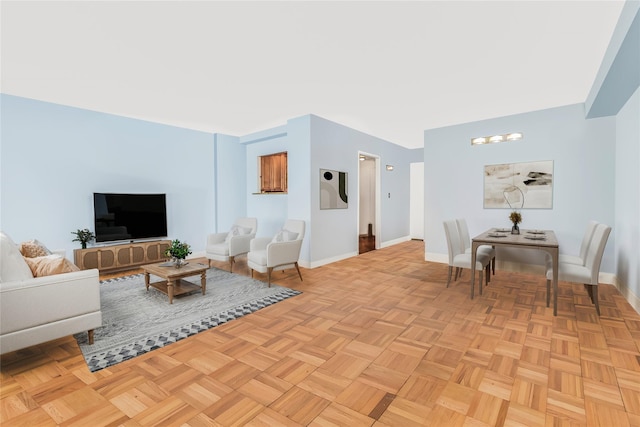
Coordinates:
(488, 275)
(231, 261)
(299, 274)
(269, 270)
(594, 297)
(90, 333)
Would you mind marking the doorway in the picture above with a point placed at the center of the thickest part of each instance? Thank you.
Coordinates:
(368, 203)
(416, 201)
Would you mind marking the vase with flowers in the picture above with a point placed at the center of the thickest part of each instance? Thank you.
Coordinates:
(178, 251)
(516, 218)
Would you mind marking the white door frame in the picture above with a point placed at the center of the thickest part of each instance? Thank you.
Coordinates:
(378, 216)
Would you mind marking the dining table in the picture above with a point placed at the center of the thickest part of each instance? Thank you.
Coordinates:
(544, 240)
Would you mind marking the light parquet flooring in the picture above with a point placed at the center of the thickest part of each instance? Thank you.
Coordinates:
(375, 340)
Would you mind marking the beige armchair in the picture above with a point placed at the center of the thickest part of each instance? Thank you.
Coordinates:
(280, 252)
(226, 246)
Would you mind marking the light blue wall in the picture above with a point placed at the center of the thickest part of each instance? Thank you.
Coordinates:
(270, 209)
(627, 196)
(230, 185)
(336, 147)
(583, 183)
(313, 143)
(53, 158)
(615, 93)
(619, 73)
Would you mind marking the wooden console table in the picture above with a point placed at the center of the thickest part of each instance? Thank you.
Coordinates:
(120, 257)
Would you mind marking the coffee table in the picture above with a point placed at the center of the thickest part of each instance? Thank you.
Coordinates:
(174, 283)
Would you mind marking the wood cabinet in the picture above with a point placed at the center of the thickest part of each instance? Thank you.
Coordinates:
(120, 257)
(273, 173)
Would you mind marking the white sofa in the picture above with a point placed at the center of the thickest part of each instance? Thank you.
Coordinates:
(34, 310)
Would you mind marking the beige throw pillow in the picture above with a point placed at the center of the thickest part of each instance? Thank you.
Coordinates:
(33, 248)
(50, 265)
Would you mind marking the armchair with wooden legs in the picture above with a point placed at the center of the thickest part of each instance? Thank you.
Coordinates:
(278, 253)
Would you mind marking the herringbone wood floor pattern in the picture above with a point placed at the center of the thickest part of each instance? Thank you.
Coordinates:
(375, 340)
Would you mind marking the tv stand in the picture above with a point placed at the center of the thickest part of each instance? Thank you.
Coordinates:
(120, 257)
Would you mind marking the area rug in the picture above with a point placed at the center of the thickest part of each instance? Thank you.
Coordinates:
(135, 321)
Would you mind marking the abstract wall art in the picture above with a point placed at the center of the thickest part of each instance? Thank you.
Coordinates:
(333, 189)
(526, 185)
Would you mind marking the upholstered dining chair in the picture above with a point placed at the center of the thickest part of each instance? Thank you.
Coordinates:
(280, 252)
(588, 273)
(228, 245)
(465, 240)
(458, 258)
(584, 246)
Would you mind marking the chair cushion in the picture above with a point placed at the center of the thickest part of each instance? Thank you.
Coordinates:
(219, 249)
(571, 273)
(12, 264)
(33, 248)
(50, 265)
(284, 236)
(258, 257)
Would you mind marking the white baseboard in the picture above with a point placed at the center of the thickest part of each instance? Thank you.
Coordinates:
(631, 298)
(394, 241)
(326, 261)
(314, 264)
(435, 257)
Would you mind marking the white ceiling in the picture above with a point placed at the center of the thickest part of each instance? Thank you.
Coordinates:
(390, 69)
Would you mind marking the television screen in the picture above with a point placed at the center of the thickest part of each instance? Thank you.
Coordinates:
(129, 216)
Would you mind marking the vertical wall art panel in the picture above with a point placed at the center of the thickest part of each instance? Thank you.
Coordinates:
(333, 189)
(527, 185)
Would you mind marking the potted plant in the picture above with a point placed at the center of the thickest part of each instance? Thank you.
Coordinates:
(83, 236)
(516, 219)
(178, 251)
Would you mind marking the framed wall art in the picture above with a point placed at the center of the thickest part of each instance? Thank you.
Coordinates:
(526, 185)
(333, 189)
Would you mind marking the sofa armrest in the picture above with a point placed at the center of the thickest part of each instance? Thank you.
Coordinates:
(41, 300)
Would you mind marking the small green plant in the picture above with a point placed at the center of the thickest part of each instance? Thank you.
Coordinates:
(515, 217)
(178, 250)
(83, 236)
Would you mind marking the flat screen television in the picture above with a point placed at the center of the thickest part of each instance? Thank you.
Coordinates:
(129, 216)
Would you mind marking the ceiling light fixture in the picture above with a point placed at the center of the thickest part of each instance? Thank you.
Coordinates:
(481, 140)
(389, 167)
